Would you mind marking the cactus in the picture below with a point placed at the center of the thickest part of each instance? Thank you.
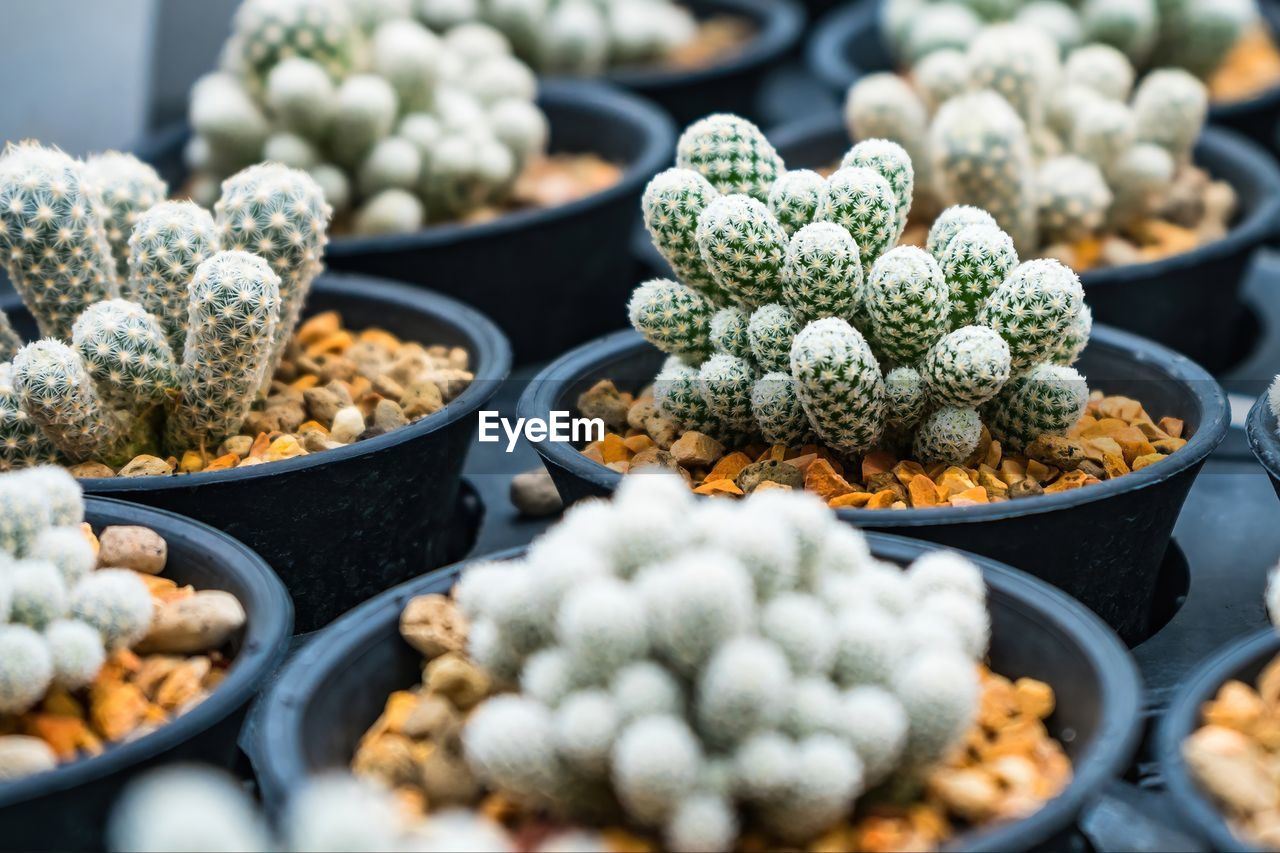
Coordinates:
(1056, 20)
(1077, 337)
(125, 351)
(1007, 59)
(908, 303)
(392, 163)
(235, 316)
(10, 340)
(1103, 131)
(732, 154)
(686, 765)
(770, 331)
(1197, 34)
(1169, 108)
(1129, 26)
(38, 595)
(884, 106)
(58, 491)
(1034, 310)
(726, 382)
(67, 549)
(890, 161)
(861, 201)
(1139, 179)
(743, 247)
(822, 276)
(777, 410)
(1100, 68)
(729, 333)
(22, 444)
(674, 318)
(795, 198)
(76, 651)
(408, 56)
(268, 31)
(839, 384)
(21, 520)
(127, 187)
(56, 391)
(168, 242)
(951, 222)
(1073, 199)
(966, 368)
(1049, 399)
(116, 603)
(26, 668)
(905, 399)
(51, 234)
(940, 76)
(677, 392)
(976, 260)
(226, 120)
(301, 96)
(940, 26)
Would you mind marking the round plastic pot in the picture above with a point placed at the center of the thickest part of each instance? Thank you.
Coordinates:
(732, 84)
(1242, 660)
(336, 687)
(1190, 302)
(66, 808)
(846, 44)
(341, 525)
(1103, 544)
(535, 272)
(1263, 439)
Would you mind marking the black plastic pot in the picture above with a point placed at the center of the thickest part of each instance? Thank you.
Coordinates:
(731, 85)
(532, 271)
(344, 524)
(1102, 544)
(1190, 302)
(1242, 660)
(335, 688)
(66, 808)
(846, 44)
(1263, 439)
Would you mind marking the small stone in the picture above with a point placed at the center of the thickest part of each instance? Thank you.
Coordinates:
(348, 423)
(1025, 488)
(279, 416)
(887, 480)
(90, 470)
(201, 622)
(694, 449)
(1119, 252)
(285, 447)
(457, 679)
(447, 780)
(603, 401)
(662, 429)
(1056, 451)
(433, 625)
(371, 432)
(132, 547)
(451, 381)
(534, 494)
(388, 387)
(330, 367)
(323, 404)
(769, 470)
(640, 411)
(146, 466)
(655, 456)
(387, 415)
(421, 398)
(240, 445)
(1093, 469)
(433, 718)
(24, 756)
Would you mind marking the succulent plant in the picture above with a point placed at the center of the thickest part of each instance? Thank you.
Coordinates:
(180, 362)
(795, 340)
(77, 652)
(700, 698)
(26, 668)
(114, 602)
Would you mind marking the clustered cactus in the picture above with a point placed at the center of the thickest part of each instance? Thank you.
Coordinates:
(821, 328)
(180, 345)
(1055, 151)
(1195, 35)
(574, 36)
(399, 124)
(690, 666)
(58, 615)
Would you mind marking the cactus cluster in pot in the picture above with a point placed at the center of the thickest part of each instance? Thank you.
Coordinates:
(401, 125)
(797, 317)
(1195, 35)
(574, 36)
(161, 322)
(701, 669)
(58, 615)
(1058, 152)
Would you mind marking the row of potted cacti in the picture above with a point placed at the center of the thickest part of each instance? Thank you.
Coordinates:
(784, 666)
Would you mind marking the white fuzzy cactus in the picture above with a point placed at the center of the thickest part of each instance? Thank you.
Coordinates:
(116, 603)
(26, 668)
(77, 652)
(966, 367)
(1169, 108)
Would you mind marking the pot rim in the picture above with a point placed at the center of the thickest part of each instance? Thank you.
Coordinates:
(1211, 404)
(607, 102)
(265, 641)
(1120, 682)
(1183, 716)
(780, 24)
(826, 58)
(486, 344)
(1215, 145)
(1261, 429)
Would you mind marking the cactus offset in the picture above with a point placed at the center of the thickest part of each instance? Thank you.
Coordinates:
(839, 384)
(1049, 399)
(732, 154)
(673, 203)
(127, 187)
(672, 317)
(56, 391)
(744, 248)
(125, 351)
(169, 241)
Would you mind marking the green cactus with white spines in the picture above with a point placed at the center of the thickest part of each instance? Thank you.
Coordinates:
(236, 312)
(1072, 199)
(168, 242)
(1139, 179)
(949, 436)
(795, 197)
(770, 331)
(982, 157)
(1049, 399)
(744, 247)
(301, 97)
(674, 318)
(1056, 20)
(907, 302)
(884, 106)
(779, 415)
(1034, 309)
(409, 56)
(732, 154)
(678, 392)
(729, 333)
(127, 187)
(1099, 68)
(839, 383)
(264, 32)
(966, 368)
(1076, 339)
(1008, 59)
(673, 203)
(54, 245)
(1130, 26)
(726, 382)
(56, 391)
(1197, 34)
(951, 222)
(125, 351)
(280, 215)
(941, 26)
(977, 258)
(940, 76)
(890, 161)
(1169, 109)
(823, 272)
(1102, 131)
(10, 340)
(860, 201)
(905, 399)
(22, 444)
